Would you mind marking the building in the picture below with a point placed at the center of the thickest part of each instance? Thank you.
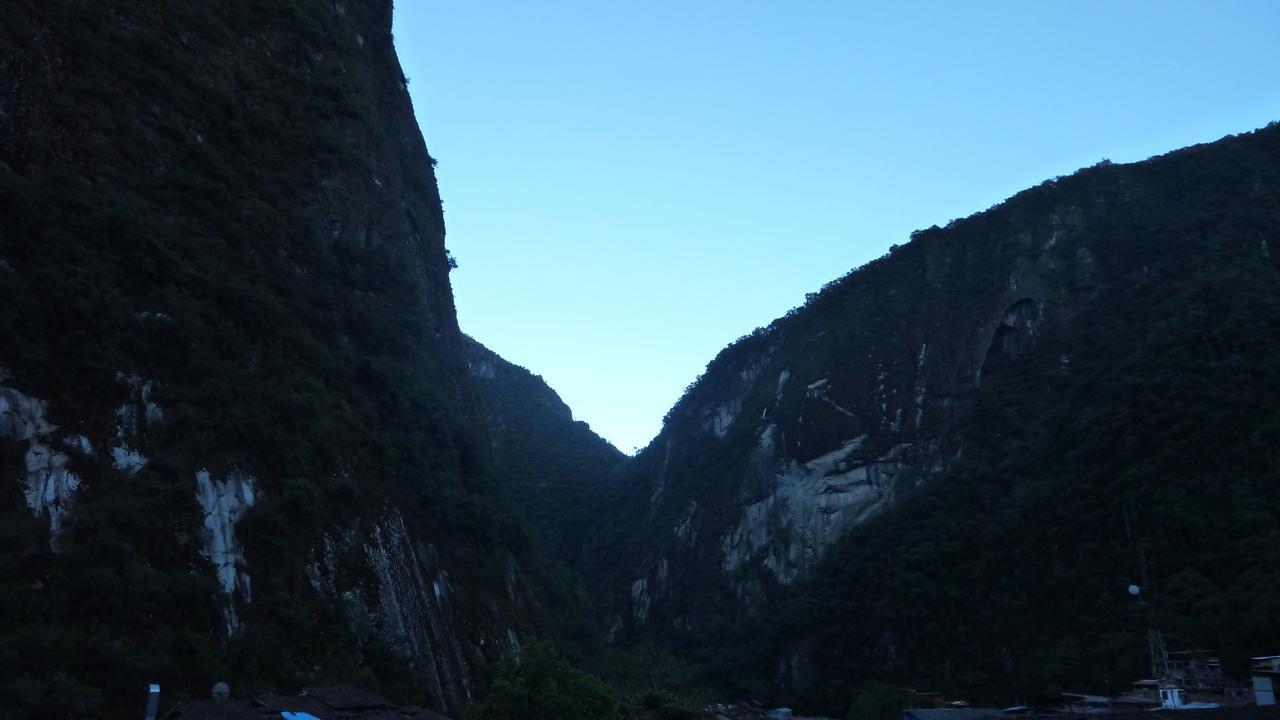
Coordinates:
(1199, 673)
(1082, 704)
(952, 713)
(1245, 712)
(1265, 672)
(332, 703)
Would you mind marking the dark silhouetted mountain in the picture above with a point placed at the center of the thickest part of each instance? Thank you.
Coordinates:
(946, 468)
(241, 439)
(554, 464)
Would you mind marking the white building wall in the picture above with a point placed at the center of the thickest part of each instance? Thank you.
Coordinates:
(1264, 690)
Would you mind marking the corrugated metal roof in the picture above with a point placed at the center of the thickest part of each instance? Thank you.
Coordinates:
(952, 713)
(273, 707)
(345, 697)
(205, 710)
(1240, 712)
(276, 704)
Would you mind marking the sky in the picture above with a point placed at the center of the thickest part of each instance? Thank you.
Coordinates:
(630, 186)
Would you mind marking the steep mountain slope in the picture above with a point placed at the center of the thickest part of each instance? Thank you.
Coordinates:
(240, 434)
(554, 464)
(947, 466)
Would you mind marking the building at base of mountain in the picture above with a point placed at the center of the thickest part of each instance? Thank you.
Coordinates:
(1246, 712)
(329, 703)
(1265, 672)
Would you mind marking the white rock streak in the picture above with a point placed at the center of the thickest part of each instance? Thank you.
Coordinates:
(224, 504)
(49, 488)
(810, 506)
(130, 423)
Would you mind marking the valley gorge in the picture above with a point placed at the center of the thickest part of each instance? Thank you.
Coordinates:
(247, 440)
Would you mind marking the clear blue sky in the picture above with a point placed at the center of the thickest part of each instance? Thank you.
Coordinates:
(630, 186)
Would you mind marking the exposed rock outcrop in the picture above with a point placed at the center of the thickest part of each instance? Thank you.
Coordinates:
(224, 503)
(48, 486)
(806, 429)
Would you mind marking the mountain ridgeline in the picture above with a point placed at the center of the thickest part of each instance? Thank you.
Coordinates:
(946, 468)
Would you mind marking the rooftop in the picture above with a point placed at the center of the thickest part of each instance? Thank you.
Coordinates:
(951, 713)
(331, 703)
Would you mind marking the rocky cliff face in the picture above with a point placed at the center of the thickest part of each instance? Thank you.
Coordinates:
(239, 433)
(812, 441)
(807, 428)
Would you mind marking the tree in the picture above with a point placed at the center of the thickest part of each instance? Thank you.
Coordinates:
(537, 684)
(878, 701)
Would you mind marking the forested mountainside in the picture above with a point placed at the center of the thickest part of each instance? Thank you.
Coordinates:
(240, 433)
(946, 468)
(554, 464)
(248, 442)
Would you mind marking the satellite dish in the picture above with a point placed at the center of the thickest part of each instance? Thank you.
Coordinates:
(1134, 590)
(221, 691)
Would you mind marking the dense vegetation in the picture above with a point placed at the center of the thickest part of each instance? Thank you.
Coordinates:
(1128, 438)
(556, 465)
(535, 683)
(232, 201)
(1148, 458)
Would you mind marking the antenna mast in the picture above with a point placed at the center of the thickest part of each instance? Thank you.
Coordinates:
(1159, 656)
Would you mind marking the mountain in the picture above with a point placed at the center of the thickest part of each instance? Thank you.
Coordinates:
(248, 442)
(554, 464)
(242, 439)
(946, 468)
